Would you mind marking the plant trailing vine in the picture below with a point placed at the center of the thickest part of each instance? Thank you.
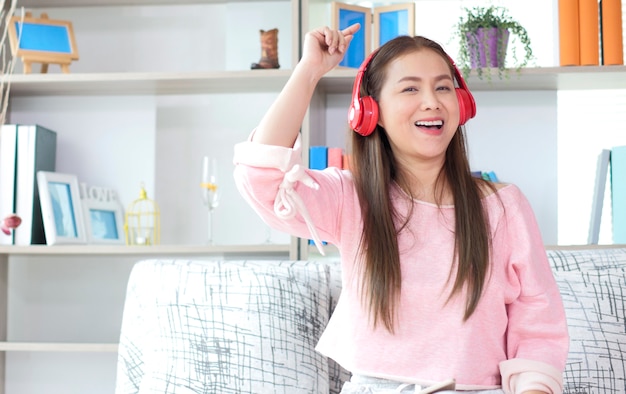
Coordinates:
(491, 17)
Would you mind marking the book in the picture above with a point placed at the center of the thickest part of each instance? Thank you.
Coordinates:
(569, 48)
(492, 176)
(612, 39)
(318, 160)
(589, 30)
(486, 175)
(335, 157)
(618, 193)
(8, 154)
(36, 151)
(602, 170)
(318, 157)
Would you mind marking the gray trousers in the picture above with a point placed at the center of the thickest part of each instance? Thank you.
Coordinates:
(359, 384)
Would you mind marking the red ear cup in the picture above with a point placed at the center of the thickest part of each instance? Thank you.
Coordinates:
(368, 116)
(467, 106)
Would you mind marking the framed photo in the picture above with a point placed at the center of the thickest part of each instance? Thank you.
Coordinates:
(61, 208)
(344, 15)
(104, 221)
(42, 40)
(393, 21)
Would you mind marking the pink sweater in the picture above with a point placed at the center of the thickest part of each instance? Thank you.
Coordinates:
(517, 338)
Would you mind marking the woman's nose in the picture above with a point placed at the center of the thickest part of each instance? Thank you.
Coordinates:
(429, 99)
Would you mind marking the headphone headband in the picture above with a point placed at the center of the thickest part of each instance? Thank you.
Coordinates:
(363, 112)
(356, 89)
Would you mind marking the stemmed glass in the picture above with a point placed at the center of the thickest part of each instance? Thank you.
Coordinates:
(210, 190)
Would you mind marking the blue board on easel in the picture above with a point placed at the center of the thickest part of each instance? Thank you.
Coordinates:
(39, 37)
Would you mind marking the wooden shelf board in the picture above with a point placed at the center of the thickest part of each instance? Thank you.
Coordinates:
(158, 250)
(337, 81)
(58, 347)
(57, 84)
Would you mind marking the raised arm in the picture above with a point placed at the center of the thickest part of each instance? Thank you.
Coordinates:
(323, 50)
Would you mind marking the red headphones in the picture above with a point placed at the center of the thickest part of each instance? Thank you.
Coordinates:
(363, 113)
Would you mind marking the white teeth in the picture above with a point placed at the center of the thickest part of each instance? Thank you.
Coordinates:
(429, 123)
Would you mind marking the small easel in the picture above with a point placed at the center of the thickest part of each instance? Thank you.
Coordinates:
(42, 40)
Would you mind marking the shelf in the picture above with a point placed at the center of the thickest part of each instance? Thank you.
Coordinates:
(253, 81)
(58, 347)
(103, 3)
(160, 250)
(129, 84)
(541, 78)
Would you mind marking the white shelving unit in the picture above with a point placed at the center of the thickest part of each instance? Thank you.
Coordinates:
(157, 86)
(101, 255)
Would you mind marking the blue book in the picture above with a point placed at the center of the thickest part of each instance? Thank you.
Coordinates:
(602, 169)
(492, 176)
(318, 157)
(618, 193)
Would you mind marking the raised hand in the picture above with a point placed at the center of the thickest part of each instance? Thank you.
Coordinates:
(324, 47)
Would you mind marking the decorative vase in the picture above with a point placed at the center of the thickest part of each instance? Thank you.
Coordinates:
(487, 47)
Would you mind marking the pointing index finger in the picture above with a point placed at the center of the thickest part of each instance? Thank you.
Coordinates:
(351, 29)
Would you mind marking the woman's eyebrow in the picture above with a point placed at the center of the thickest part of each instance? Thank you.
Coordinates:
(419, 79)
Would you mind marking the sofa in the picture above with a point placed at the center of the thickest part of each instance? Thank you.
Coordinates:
(251, 326)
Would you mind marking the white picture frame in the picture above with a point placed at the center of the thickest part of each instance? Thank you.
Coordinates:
(104, 221)
(61, 208)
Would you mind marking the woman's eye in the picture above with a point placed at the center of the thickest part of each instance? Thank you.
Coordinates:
(410, 89)
(448, 88)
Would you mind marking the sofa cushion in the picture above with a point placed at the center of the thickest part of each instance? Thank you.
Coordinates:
(595, 301)
(587, 259)
(225, 327)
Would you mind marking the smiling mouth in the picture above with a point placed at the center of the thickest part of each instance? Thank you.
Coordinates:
(430, 124)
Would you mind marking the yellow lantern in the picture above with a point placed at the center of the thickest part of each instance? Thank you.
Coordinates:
(143, 221)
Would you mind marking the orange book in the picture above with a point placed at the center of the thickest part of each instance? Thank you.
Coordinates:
(589, 32)
(569, 49)
(346, 162)
(612, 41)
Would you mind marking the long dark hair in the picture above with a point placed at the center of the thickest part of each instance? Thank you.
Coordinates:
(375, 170)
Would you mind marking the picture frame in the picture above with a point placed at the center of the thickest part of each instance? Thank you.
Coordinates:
(61, 208)
(344, 15)
(42, 40)
(104, 221)
(392, 21)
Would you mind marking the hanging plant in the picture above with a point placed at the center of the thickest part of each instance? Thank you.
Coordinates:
(479, 25)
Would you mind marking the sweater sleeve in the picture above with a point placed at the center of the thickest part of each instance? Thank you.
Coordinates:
(537, 335)
(287, 195)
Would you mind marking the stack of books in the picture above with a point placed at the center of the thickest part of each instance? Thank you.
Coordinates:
(24, 150)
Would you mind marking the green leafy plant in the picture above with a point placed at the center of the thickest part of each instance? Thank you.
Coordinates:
(491, 17)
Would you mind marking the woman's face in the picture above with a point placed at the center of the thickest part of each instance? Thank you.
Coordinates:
(418, 107)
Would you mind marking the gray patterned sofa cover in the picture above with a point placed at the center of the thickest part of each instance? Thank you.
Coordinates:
(199, 327)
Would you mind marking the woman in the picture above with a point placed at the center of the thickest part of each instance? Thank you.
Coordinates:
(444, 276)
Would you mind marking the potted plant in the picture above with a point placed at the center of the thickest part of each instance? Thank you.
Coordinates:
(484, 34)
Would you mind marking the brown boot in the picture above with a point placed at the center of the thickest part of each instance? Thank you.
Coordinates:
(269, 50)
